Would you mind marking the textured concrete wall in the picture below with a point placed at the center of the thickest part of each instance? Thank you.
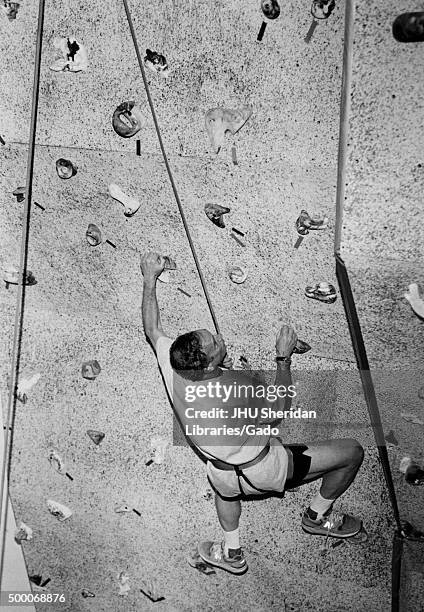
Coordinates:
(86, 304)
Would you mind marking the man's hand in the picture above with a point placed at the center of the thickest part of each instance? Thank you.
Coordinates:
(285, 341)
(152, 265)
(227, 363)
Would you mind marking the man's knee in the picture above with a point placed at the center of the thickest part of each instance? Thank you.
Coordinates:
(354, 451)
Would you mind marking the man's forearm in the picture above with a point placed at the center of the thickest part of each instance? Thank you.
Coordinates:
(283, 378)
(150, 308)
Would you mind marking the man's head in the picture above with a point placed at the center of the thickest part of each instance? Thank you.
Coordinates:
(127, 119)
(197, 353)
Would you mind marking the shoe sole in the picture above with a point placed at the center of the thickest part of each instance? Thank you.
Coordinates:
(322, 532)
(203, 554)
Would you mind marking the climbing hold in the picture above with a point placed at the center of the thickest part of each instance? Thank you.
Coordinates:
(86, 593)
(207, 493)
(12, 276)
(301, 347)
(322, 9)
(164, 276)
(304, 223)
(25, 384)
(196, 561)
(19, 193)
(123, 583)
(93, 235)
(215, 212)
(411, 418)
(391, 439)
(36, 579)
(74, 56)
(150, 589)
(158, 446)
(324, 292)
(413, 297)
(90, 369)
(95, 436)
(156, 63)
(219, 121)
(60, 511)
(11, 9)
(56, 461)
(169, 264)
(270, 9)
(409, 27)
(127, 119)
(404, 464)
(237, 275)
(65, 168)
(130, 205)
(23, 532)
(122, 509)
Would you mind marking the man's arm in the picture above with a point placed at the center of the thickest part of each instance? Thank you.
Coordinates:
(284, 345)
(151, 266)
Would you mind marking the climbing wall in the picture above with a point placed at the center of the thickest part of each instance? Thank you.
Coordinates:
(382, 244)
(86, 303)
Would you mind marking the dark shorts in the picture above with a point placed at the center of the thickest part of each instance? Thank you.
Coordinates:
(298, 466)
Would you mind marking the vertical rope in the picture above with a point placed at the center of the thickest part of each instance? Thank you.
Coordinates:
(344, 120)
(168, 168)
(20, 299)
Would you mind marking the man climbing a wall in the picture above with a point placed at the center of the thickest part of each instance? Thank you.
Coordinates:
(230, 430)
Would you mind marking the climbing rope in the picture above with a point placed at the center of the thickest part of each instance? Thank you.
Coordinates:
(168, 168)
(20, 298)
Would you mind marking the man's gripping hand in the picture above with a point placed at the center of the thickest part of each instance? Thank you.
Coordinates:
(285, 341)
(152, 265)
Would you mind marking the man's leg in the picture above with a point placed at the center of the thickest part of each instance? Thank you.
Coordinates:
(337, 463)
(229, 555)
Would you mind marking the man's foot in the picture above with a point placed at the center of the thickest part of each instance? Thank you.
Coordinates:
(333, 524)
(213, 554)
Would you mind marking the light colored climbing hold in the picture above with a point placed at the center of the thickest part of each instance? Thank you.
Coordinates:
(131, 205)
(413, 297)
(93, 235)
(56, 461)
(65, 169)
(23, 532)
(215, 212)
(404, 464)
(95, 436)
(122, 509)
(219, 121)
(150, 588)
(90, 369)
(237, 275)
(123, 583)
(411, 418)
(127, 119)
(25, 384)
(74, 56)
(305, 223)
(156, 63)
(86, 593)
(322, 9)
(158, 446)
(11, 275)
(60, 511)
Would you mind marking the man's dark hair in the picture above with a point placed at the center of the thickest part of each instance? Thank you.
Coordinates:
(187, 357)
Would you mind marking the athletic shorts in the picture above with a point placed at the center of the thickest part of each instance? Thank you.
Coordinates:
(284, 467)
(268, 475)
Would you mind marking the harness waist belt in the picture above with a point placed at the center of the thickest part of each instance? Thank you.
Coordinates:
(222, 465)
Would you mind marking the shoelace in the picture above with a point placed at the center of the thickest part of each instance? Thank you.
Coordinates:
(334, 520)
